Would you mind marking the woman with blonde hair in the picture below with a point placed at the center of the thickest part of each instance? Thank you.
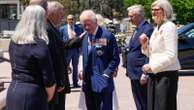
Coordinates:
(163, 62)
(33, 80)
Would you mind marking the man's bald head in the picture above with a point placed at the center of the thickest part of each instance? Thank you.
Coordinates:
(42, 3)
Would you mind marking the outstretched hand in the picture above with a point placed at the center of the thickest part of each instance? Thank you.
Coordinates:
(83, 34)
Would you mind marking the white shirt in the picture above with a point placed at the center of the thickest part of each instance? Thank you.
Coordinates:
(71, 31)
(163, 48)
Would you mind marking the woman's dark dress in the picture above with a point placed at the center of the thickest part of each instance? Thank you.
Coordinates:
(32, 71)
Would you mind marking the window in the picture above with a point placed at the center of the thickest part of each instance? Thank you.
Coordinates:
(190, 33)
(8, 11)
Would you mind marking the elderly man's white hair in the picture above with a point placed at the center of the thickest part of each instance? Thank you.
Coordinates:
(137, 9)
(88, 14)
(166, 6)
(31, 26)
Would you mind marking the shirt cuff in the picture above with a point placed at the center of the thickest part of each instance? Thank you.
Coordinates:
(106, 75)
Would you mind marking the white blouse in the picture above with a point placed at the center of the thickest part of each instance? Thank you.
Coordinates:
(163, 50)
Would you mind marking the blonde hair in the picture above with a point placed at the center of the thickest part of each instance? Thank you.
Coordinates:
(31, 26)
(167, 8)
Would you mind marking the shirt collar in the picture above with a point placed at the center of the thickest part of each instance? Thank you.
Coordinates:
(70, 25)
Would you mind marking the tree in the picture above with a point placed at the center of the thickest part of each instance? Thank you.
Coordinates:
(184, 10)
(145, 3)
(118, 8)
(108, 8)
(24, 2)
(70, 7)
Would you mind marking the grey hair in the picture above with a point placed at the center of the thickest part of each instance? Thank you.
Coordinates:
(31, 26)
(88, 14)
(138, 9)
(53, 7)
(167, 8)
(42, 3)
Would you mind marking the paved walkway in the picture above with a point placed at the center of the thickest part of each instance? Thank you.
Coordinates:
(123, 89)
(125, 98)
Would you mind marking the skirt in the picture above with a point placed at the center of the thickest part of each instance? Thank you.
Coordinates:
(26, 96)
(162, 91)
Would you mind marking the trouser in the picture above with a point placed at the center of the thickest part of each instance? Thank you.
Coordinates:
(139, 94)
(162, 91)
(98, 101)
(75, 60)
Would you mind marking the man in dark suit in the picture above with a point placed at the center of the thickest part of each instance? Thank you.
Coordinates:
(70, 31)
(55, 15)
(55, 12)
(135, 58)
(100, 60)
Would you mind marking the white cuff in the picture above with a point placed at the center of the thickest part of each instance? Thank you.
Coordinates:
(106, 75)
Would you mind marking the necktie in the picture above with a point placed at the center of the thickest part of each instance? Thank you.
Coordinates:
(71, 27)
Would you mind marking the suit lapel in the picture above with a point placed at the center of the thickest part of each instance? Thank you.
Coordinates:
(85, 44)
(66, 32)
(85, 49)
(98, 33)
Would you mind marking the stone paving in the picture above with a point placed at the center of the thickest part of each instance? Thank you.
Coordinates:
(123, 90)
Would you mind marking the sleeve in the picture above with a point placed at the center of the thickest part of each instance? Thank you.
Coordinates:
(61, 31)
(45, 65)
(73, 43)
(148, 30)
(115, 59)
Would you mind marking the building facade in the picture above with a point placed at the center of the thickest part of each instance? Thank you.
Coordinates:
(10, 12)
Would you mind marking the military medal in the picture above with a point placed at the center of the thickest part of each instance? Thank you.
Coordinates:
(99, 51)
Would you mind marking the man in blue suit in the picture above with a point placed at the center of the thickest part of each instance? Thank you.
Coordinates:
(71, 31)
(135, 58)
(100, 60)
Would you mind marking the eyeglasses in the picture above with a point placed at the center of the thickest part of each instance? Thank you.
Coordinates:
(156, 9)
(70, 19)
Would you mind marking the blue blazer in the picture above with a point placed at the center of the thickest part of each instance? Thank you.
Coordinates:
(64, 31)
(105, 63)
(135, 58)
(64, 34)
